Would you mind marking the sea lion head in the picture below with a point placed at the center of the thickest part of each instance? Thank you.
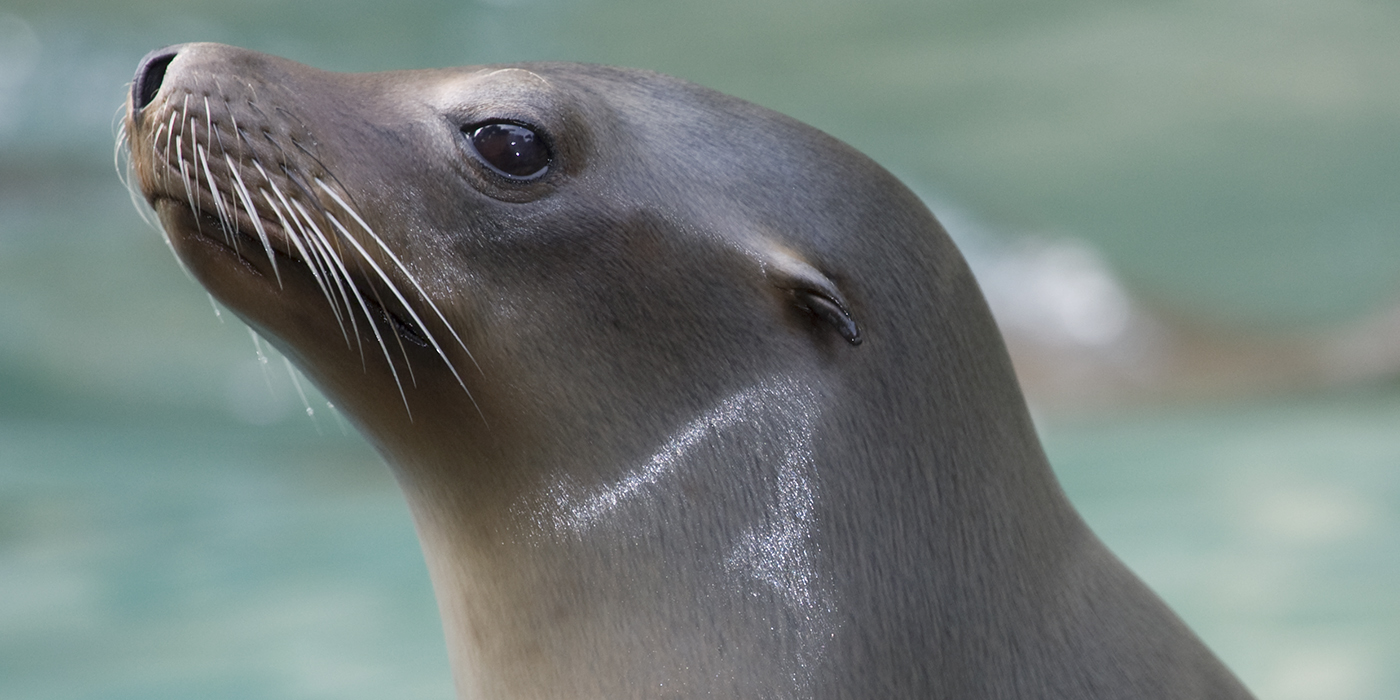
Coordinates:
(474, 251)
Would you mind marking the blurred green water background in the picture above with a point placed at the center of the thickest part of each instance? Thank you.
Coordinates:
(173, 525)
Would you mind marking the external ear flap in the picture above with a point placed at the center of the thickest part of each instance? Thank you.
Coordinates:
(811, 291)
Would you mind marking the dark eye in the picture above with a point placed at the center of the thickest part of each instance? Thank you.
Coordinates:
(511, 150)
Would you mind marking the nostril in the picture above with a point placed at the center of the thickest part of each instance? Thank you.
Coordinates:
(150, 75)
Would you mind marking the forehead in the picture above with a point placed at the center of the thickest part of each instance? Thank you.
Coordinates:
(510, 87)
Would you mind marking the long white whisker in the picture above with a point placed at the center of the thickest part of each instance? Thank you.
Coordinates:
(230, 204)
(374, 328)
(289, 229)
(242, 191)
(122, 140)
(364, 254)
(155, 149)
(186, 126)
(317, 268)
(119, 124)
(262, 362)
(296, 384)
(336, 267)
(225, 220)
(214, 304)
(359, 299)
(143, 209)
(237, 133)
(125, 171)
(191, 184)
(190, 189)
(345, 234)
(331, 265)
(311, 261)
(411, 280)
(169, 137)
(208, 116)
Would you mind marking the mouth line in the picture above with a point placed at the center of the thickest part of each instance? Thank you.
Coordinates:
(232, 232)
(208, 229)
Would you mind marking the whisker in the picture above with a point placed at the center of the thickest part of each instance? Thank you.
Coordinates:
(242, 191)
(343, 273)
(190, 189)
(229, 210)
(289, 229)
(156, 156)
(344, 234)
(364, 254)
(311, 262)
(169, 136)
(218, 313)
(339, 420)
(330, 263)
(217, 135)
(233, 120)
(378, 338)
(317, 259)
(262, 361)
(211, 134)
(374, 327)
(296, 384)
(122, 138)
(208, 115)
(411, 280)
(325, 246)
(224, 218)
(125, 172)
(339, 274)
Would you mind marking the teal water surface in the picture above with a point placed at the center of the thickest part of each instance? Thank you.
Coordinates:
(173, 524)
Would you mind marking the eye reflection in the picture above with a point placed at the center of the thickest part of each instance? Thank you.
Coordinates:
(511, 150)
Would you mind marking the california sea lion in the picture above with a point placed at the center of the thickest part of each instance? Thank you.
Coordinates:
(688, 399)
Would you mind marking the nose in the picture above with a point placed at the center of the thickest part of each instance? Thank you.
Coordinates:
(150, 75)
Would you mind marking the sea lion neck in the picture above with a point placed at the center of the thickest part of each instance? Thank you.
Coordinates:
(594, 556)
(687, 399)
